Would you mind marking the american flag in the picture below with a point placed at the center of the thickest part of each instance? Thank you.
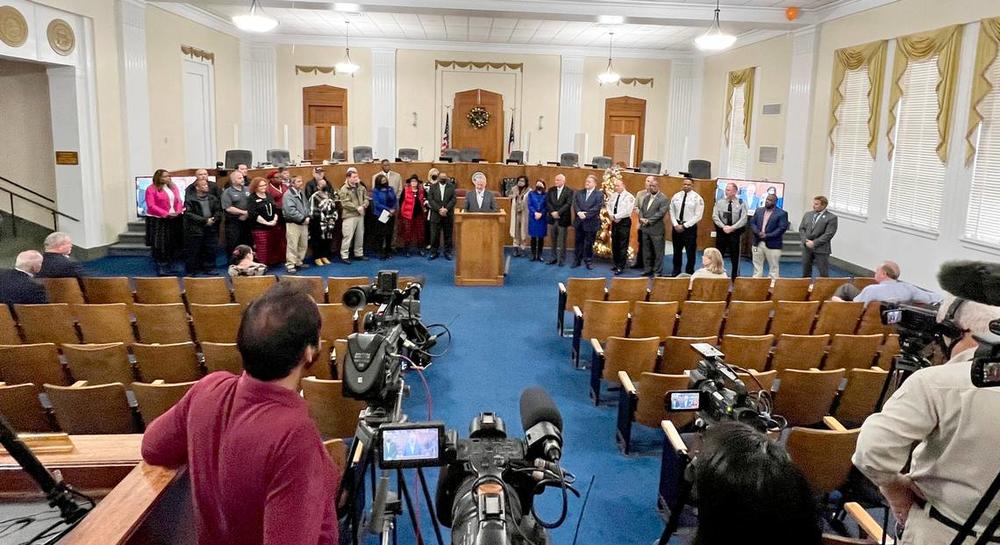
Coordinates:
(444, 137)
(510, 139)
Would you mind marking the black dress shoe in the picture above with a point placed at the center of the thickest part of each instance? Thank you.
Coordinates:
(432, 257)
(448, 256)
(647, 273)
(551, 262)
(590, 266)
(360, 258)
(345, 261)
(562, 264)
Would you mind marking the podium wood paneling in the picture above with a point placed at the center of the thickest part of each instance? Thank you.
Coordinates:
(488, 139)
(479, 244)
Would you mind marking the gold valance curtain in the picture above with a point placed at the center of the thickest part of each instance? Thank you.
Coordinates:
(986, 54)
(946, 43)
(871, 55)
(743, 77)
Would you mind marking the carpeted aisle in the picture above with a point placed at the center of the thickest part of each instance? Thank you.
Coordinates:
(504, 341)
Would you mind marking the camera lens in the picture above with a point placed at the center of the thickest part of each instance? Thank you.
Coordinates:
(354, 298)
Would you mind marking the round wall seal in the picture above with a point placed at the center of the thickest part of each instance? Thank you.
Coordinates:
(61, 37)
(13, 27)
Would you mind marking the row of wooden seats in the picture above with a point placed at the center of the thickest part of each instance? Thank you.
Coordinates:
(203, 291)
(61, 323)
(111, 362)
(665, 289)
(603, 319)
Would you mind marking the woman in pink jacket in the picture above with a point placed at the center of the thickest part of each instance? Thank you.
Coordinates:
(164, 209)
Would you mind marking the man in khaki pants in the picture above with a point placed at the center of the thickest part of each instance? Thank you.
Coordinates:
(354, 201)
(295, 208)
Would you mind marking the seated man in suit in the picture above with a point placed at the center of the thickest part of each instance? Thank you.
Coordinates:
(56, 262)
(480, 200)
(588, 203)
(768, 226)
(17, 285)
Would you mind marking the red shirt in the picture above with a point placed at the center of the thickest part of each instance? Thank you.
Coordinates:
(259, 471)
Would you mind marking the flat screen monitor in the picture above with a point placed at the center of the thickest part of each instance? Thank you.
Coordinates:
(752, 192)
(143, 182)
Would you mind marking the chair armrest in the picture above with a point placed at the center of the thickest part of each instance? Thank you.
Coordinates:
(3, 384)
(675, 438)
(626, 382)
(562, 288)
(577, 312)
(159, 381)
(865, 521)
(596, 346)
(833, 423)
(79, 384)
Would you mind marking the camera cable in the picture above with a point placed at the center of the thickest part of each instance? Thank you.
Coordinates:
(583, 508)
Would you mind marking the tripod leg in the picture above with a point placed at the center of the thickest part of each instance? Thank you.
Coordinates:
(430, 505)
(409, 506)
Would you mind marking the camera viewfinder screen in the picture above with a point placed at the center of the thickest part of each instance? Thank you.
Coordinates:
(893, 316)
(685, 401)
(411, 445)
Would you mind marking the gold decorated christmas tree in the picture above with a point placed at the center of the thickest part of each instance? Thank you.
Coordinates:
(602, 243)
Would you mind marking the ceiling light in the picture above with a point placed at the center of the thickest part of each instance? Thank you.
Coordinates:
(610, 19)
(609, 76)
(714, 39)
(346, 7)
(255, 21)
(347, 66)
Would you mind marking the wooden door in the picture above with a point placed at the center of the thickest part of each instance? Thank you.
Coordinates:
(624, 116)
(489, 139)
(323, 107)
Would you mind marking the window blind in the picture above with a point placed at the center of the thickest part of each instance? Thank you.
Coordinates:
(738, 153)
(983, 222)
(851, 175)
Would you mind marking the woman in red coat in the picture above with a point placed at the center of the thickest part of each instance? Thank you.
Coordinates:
(411, 216)
(164, 223)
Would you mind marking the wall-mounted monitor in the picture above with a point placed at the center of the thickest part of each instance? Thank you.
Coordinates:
(752, 192)
(143, 182)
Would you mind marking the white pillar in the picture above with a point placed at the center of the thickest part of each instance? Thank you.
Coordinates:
(384, 102)
(137, 134)
(570, 106)
(797, 122)
(259, 84)
(682, 118)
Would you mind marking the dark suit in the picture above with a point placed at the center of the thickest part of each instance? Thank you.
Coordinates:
(17, 288)
(558, 228)
(819, 227)
(438, 222)
(586, 228)
(213, 189)
(200, 239)
(472, 202)
(775, 229)
(652, 208)
(59, 266)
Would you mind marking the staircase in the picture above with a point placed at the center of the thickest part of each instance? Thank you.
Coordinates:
(132, 242)
(792, 249)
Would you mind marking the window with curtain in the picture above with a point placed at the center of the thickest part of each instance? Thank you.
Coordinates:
(983, 223)
(916, 184)
(851, 175)
(738, 153)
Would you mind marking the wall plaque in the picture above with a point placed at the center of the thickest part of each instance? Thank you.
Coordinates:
(61, 37)
(13, 27)
(67, 158)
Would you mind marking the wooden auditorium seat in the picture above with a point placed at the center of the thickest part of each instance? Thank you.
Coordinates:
(795, 317)
(337, 285)
(701, 318)
(598, 320)
(643, 403)
(804, 397)
(248, 288)
(338, 321)
(339, 357)
(322, 368)
(751, 289)
(871, 320)
(852, 351)
(628, 289)
(669, 289)
(888, 352)
(574, 293)
(34, 363)
(9, 333)
(823, 456)
(157, 397)
(108, 289)
(336, 416)
(790, 289)
(634, 356)
(51, 323)
(747, 317)
(757, 381)
(747, 351)
(222, 357)
(860, 396)
(175, 362)
(216, 323)
(678, 356)
(99, 363)
(337, 450)
(862, 282)
(63, 290)
(157, 290)
(98, 409)
(20, 406)
(313, 285)
(105, 323)
(823, 288)
(709, 289)
(653, 320)
(838, 317)
(164, 324)
(207, 291)
(799, 351)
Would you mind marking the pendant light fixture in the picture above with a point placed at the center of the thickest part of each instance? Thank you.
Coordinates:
(714, 39)
(255, 21)
(347, 66)
(609, 76)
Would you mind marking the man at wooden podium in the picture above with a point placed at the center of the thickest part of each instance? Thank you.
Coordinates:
(481, 199)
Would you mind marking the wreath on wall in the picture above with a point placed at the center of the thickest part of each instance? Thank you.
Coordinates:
(478, 117)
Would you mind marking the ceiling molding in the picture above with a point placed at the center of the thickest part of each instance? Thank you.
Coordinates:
(201, 17)
(845, 8)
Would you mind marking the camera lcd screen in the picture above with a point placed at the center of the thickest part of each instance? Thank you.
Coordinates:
(986, 374)
(890, 317)
(684, 400)
(412, 445)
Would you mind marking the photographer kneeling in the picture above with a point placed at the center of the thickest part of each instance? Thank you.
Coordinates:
(953, 425)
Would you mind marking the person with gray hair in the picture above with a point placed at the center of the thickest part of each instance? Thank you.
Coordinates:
(17, 285)
(952, 423)
(888, 288)
(480, 200)
(56, 262)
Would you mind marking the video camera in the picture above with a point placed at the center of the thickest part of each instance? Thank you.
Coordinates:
(920, 333)
(392, 333)
(487, 484)
(717, 394)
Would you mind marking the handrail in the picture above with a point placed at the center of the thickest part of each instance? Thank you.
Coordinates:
(11, 182)
(53, 211)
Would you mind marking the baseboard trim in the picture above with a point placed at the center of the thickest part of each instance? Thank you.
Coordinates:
(855, 270)
(89, 254)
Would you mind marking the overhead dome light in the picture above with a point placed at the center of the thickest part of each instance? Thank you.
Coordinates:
(609, 76)
(714, 39)
(347, 66)
(255, 21)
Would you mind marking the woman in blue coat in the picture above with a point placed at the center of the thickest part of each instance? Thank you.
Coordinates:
(537, 222)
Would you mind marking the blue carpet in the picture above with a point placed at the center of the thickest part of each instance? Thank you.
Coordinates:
(504, 341)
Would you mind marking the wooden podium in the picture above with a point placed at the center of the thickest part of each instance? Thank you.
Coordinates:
(479, 239)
